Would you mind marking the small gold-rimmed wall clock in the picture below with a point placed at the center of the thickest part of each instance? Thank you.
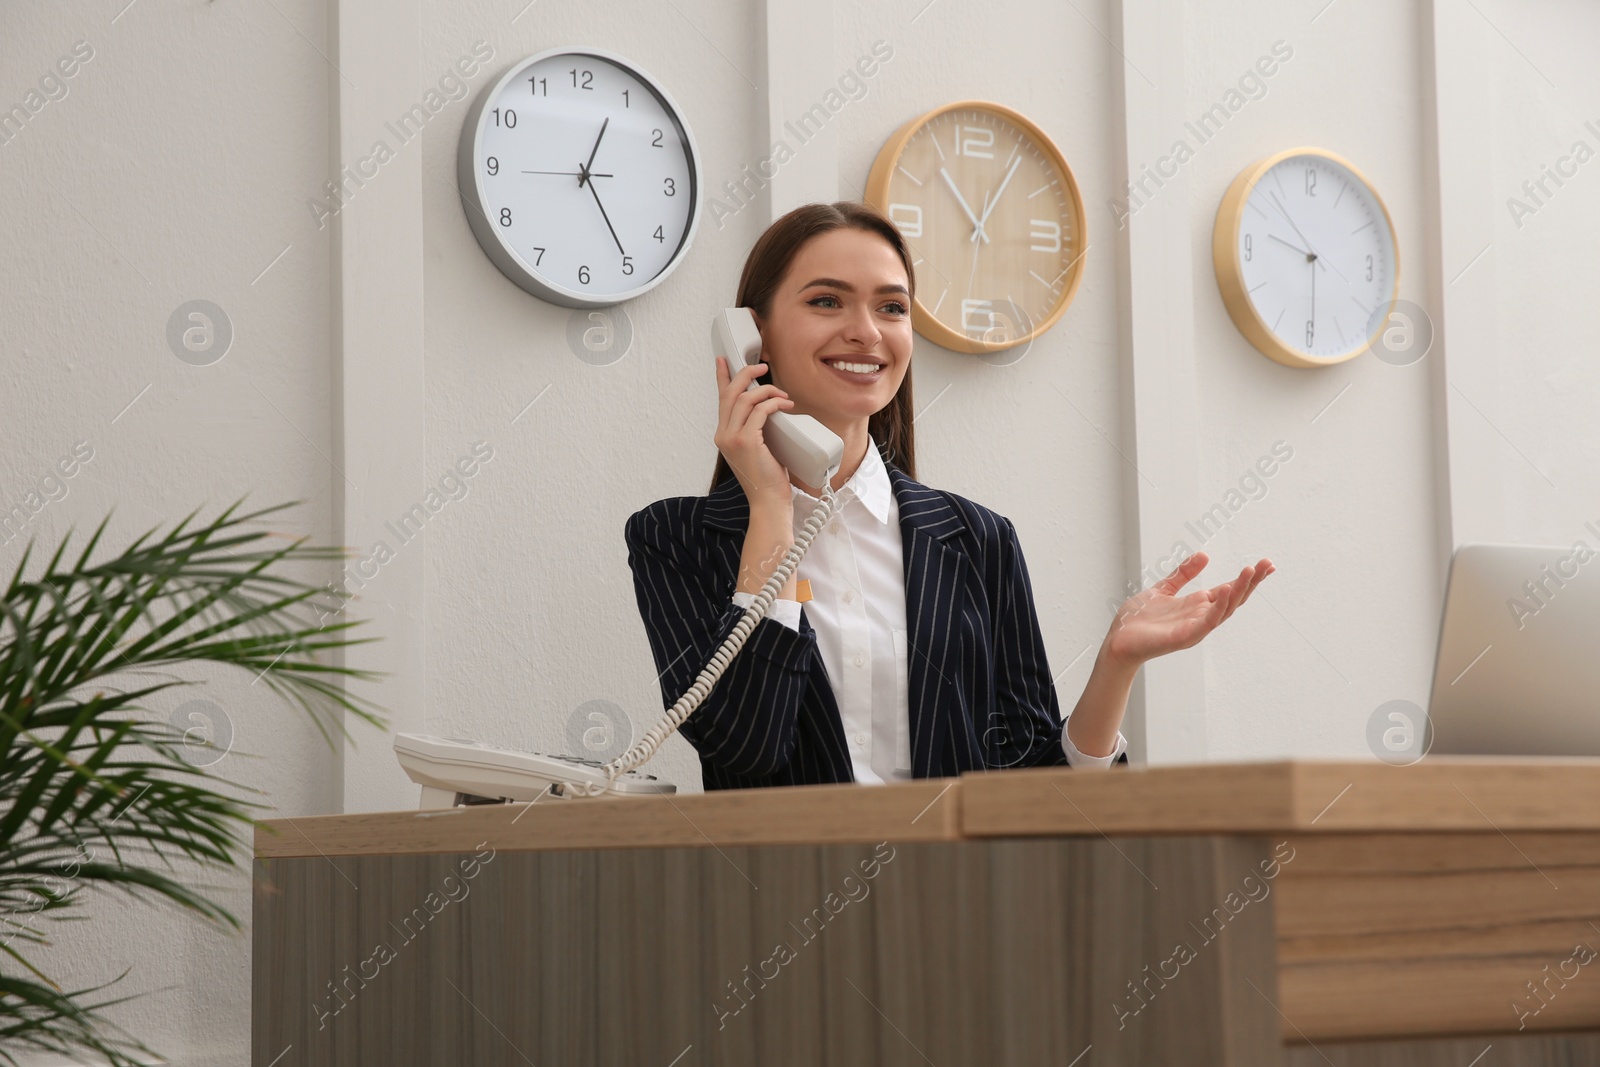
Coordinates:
(1306, 257)
(994, 220)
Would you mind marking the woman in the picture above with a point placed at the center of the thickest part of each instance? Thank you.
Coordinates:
(918, 652)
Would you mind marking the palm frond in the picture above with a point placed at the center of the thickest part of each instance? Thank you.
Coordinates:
(95, 790)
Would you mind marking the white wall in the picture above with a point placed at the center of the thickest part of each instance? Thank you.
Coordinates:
(1545, 89)
(180, 162)
(175, 168)
(1349, 620)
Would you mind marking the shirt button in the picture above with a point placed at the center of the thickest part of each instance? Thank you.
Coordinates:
(861, 739)
(848, 597)
(859, 659)
(834, 528)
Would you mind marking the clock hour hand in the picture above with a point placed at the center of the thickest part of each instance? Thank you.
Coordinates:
(1309, 256)
(977, 227)
(1284, 212)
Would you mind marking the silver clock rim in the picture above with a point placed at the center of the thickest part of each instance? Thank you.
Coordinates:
(509, 262)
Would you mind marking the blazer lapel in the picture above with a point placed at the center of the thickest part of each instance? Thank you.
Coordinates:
(937, 596)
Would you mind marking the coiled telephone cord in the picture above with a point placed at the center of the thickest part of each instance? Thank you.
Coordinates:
(647, 745)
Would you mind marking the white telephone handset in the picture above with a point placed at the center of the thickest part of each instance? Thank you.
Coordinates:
(803, 445)
(446, 767)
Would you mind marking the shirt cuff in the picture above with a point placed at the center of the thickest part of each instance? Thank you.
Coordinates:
(782, 611)
(1078, 759)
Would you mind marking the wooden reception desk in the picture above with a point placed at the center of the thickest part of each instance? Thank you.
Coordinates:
(1291, 913)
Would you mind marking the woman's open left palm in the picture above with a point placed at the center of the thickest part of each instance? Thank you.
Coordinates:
(1159, 620)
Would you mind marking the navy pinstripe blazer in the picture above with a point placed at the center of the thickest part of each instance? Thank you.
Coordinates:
(979, 687)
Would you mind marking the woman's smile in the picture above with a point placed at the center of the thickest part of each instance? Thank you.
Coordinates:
(863, 371)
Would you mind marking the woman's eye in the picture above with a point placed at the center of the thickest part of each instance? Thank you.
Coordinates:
(893, 307)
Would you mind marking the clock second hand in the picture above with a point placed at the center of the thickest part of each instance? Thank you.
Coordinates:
(973, 273)
(572, 174)
(1311, 261)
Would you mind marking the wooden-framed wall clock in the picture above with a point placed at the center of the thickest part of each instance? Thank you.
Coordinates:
(994, 219)
(1306, 257)
(579, 177)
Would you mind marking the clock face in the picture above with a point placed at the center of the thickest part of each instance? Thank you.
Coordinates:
(587, 177)
(994, 221)
(1315, 256)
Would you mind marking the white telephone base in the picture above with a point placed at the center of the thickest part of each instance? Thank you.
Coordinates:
(457, 770)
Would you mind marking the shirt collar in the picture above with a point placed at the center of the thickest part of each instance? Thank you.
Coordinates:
(869, 484)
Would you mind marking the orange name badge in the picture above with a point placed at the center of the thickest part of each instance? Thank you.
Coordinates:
(802, 590)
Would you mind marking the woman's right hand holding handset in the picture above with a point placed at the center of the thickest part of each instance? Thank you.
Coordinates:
(741, 415)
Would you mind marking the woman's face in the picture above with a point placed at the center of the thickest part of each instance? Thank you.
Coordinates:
(844, 299)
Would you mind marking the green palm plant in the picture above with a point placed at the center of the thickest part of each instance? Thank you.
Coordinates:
(95, 793)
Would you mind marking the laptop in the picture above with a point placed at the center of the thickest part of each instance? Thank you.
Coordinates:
(1517, 671)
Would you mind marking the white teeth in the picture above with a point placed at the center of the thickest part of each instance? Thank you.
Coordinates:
(858, 368)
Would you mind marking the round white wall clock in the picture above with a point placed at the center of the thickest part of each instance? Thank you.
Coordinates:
(579, 177)
(1306, 258)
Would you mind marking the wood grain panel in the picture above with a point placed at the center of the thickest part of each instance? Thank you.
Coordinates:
(1127, 800)
(1430, 934)
(1370, 904)
(993, 952)
(1564, 1050)
(1456, 793)
(1433, 999)
(822, 814)
(1356, 853)
(1461, 793)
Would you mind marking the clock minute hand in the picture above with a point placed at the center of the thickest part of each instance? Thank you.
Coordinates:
(596, 194)
(977, 227)
(987, 211)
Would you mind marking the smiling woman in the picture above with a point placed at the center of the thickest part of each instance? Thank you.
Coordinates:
(911, 649)
(831, 283)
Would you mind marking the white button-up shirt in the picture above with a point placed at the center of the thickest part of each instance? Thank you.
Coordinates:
(858, 608)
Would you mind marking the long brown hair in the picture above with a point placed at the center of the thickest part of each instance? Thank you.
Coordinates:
(764, 268)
